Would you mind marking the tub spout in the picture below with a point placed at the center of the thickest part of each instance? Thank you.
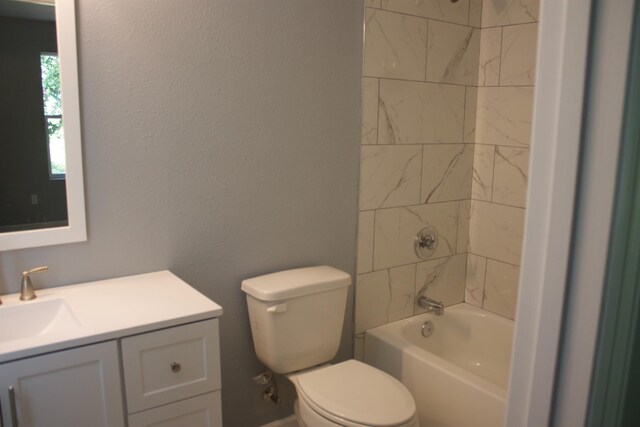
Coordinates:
(432, 306)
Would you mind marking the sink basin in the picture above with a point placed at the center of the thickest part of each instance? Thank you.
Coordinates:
(36, 318)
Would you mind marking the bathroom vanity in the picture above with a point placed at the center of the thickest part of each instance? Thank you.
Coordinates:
(137, 351)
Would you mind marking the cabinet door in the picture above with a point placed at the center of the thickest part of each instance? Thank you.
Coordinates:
(200, 411)
(78, 387)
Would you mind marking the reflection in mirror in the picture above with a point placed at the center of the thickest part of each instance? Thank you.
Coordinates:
(41, 183)
(32, 151)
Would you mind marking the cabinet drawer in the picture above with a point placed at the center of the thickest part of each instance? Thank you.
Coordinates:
(200, 411)
(172, 364)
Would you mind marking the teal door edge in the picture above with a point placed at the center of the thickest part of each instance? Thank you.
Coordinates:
(615, 385)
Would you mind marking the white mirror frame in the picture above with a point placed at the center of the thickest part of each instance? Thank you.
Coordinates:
(76, 230)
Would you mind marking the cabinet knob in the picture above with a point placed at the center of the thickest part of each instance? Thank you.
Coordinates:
(175, 367)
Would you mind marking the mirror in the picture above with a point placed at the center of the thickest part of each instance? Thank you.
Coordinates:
(41, 185)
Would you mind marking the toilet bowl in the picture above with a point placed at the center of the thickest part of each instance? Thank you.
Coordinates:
(296, 324)
(352, 394)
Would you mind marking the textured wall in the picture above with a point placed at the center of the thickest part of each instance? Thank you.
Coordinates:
(221, 142)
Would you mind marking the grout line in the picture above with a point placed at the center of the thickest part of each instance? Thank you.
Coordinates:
(458, 229)
(421, 171)
(419, 81)
(421, 204)
(424, 17)
(378, 115)
(493, 171)
(523, 86)
(390, 293)
(518, 147)
(484, 282)
(504, 316)
(436, 143)
(420, 262)
(511, 25)
(373, 251)
(426, 52)
(381, 9)
(466, 272)
(415, 289)
(464, 122)
(495, 259)
(441, 202)
(498, 145)
(438, 83)
(500, 65)
(447, 144)
(499, 204)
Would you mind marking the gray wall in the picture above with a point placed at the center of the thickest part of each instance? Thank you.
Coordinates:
(221, 141)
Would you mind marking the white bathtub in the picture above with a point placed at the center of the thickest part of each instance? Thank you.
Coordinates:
(458, 376)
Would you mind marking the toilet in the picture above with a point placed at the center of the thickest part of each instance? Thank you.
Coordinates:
(296, 324)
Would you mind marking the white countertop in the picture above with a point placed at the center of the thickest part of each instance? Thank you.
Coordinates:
(114, 308)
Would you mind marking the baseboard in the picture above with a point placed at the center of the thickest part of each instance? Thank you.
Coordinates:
(290, 421)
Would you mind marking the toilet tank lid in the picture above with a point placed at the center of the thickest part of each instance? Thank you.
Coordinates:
(295, 283)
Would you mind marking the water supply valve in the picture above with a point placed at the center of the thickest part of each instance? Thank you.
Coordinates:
(269, 394)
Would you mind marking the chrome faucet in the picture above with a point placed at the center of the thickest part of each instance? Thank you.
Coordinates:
(26, 289)
(432, 306)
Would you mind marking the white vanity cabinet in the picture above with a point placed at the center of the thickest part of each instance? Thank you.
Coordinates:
(150, 359)
(171, 379)
(78, 387)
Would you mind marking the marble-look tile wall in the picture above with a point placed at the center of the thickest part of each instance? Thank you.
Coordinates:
(420, 60)
(501, 133)
(446, 117)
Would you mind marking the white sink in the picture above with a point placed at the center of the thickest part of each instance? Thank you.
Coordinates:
(36, 318)
(86, 313)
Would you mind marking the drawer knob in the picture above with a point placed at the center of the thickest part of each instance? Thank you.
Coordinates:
(175, 366)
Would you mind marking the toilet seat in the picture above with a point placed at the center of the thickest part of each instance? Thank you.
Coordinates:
(354, 394)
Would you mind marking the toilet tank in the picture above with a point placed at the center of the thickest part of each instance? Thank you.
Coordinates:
(297, 316)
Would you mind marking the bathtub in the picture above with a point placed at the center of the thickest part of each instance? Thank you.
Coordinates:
(458, 375)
